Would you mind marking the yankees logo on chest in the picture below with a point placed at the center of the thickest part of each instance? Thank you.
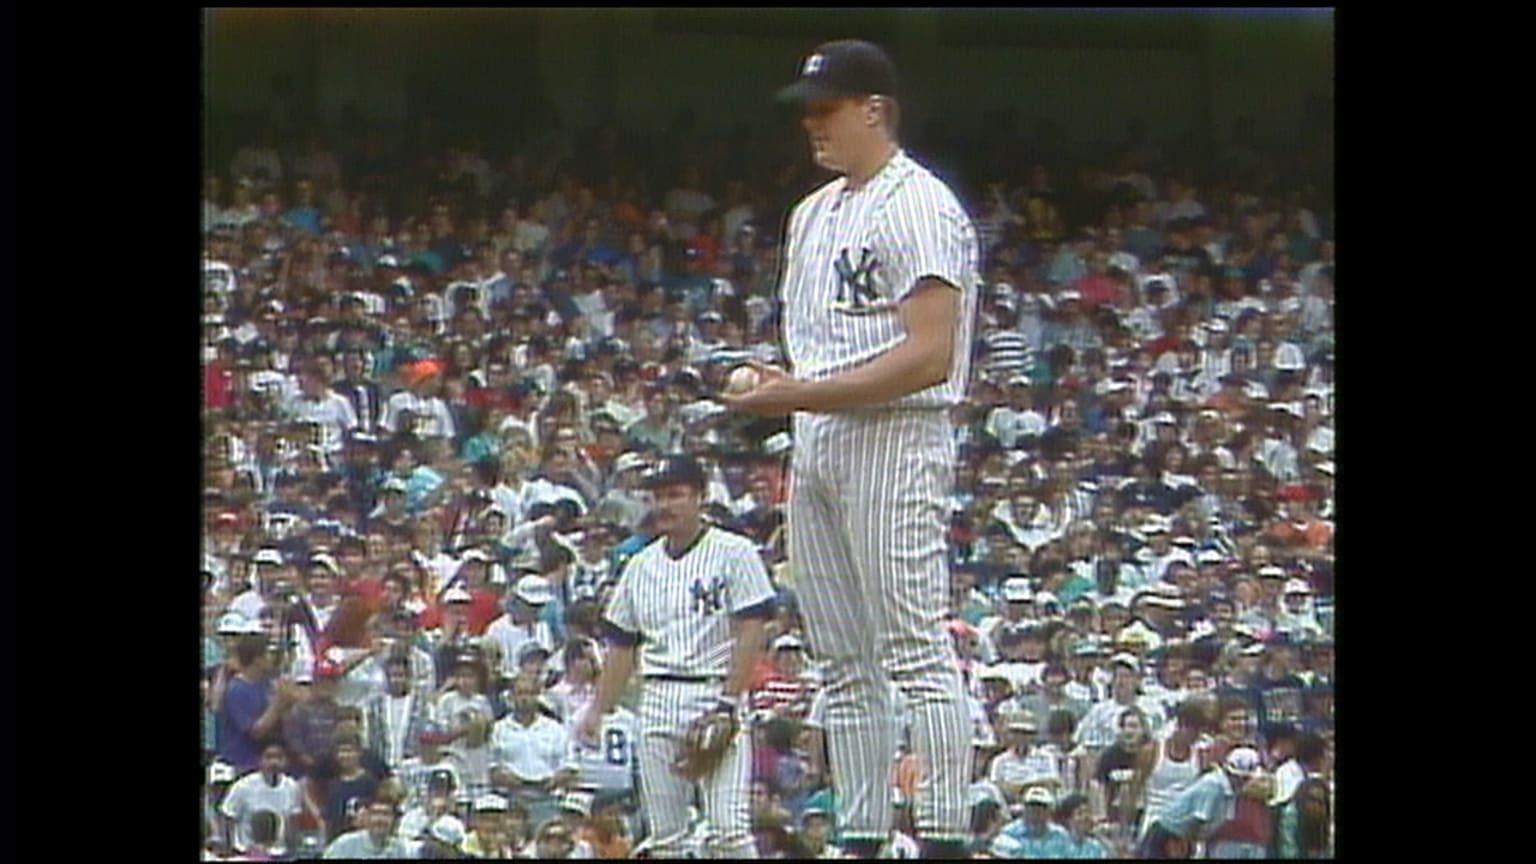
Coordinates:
(855, 282)
(708, 598)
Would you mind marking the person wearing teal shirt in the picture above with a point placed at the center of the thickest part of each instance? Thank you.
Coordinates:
(824, 800)
(1302, 829)
(1034, 835)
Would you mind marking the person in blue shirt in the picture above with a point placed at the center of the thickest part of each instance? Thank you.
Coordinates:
(1201, 808)
(305, 215)
(1074, 815)
(250, 713)
(1034, 835)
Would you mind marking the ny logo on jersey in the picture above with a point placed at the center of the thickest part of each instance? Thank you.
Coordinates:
(708, 600)
(813, 64)
(857, 281)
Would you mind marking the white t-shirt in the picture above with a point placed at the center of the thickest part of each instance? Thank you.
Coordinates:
(252, 794)
(432, 417)
(1009, 769)
(533, 752)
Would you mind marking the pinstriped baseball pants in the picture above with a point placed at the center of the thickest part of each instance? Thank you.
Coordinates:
(867, 525)
(666, 709)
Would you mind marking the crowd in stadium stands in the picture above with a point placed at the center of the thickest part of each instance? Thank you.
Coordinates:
(431, 380)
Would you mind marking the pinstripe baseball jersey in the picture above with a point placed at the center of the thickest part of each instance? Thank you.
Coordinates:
(680, 607)
(852, 256)
(611, 765)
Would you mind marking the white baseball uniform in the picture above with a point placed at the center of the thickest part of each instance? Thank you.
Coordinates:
(678, 611)
(867, 514)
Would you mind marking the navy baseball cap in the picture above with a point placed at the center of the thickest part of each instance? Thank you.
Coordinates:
(675, 469)
(838, 70)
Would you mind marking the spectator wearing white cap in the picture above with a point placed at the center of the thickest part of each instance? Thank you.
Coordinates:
(488, 837)
(1100, 726)
(1025, 765)
(1298, 618)
(1015, 606)
(521, 621)
(1033, 834)
(784, 685)
(622, 502)
(267, 568)
(1017, 419)
(1195, 813)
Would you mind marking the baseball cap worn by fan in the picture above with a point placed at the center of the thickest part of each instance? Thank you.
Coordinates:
(843, 69)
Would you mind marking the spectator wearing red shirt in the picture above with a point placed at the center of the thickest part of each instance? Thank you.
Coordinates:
(1098, 287)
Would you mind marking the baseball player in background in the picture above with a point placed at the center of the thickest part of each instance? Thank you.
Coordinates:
(879, 293)
(692, 605)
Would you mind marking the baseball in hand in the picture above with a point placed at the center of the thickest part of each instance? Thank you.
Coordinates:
(743, 379)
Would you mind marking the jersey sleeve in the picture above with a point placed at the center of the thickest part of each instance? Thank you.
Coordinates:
(749, 591)
(924, 236)
(620, 622)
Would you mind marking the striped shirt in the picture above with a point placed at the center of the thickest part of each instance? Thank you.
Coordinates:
(676, 608)
(1008, 352)
(854, 255)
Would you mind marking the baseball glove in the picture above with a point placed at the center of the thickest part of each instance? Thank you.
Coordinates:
(708, 738)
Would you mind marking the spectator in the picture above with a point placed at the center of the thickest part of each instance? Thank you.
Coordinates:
(553, 842)
(520, 623)
(252, 707)
(530, 752)
(427, 413)
(310, 726)
(396, 719)
(487, 837)
(604, 833)
(1305, 822)
(266, 790)
(1202, 807)
(1023, 766)
(1074, 814)
(373, 840)
(349, 789)
(1033, 835)
(816, 832)
(438, 793)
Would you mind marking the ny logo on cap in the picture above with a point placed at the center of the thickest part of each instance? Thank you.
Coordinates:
(813, 64)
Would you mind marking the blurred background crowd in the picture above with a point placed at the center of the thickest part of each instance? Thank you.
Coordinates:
(435, 366)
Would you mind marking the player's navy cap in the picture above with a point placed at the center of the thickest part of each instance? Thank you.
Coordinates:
(837, 70)
(675, 469)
